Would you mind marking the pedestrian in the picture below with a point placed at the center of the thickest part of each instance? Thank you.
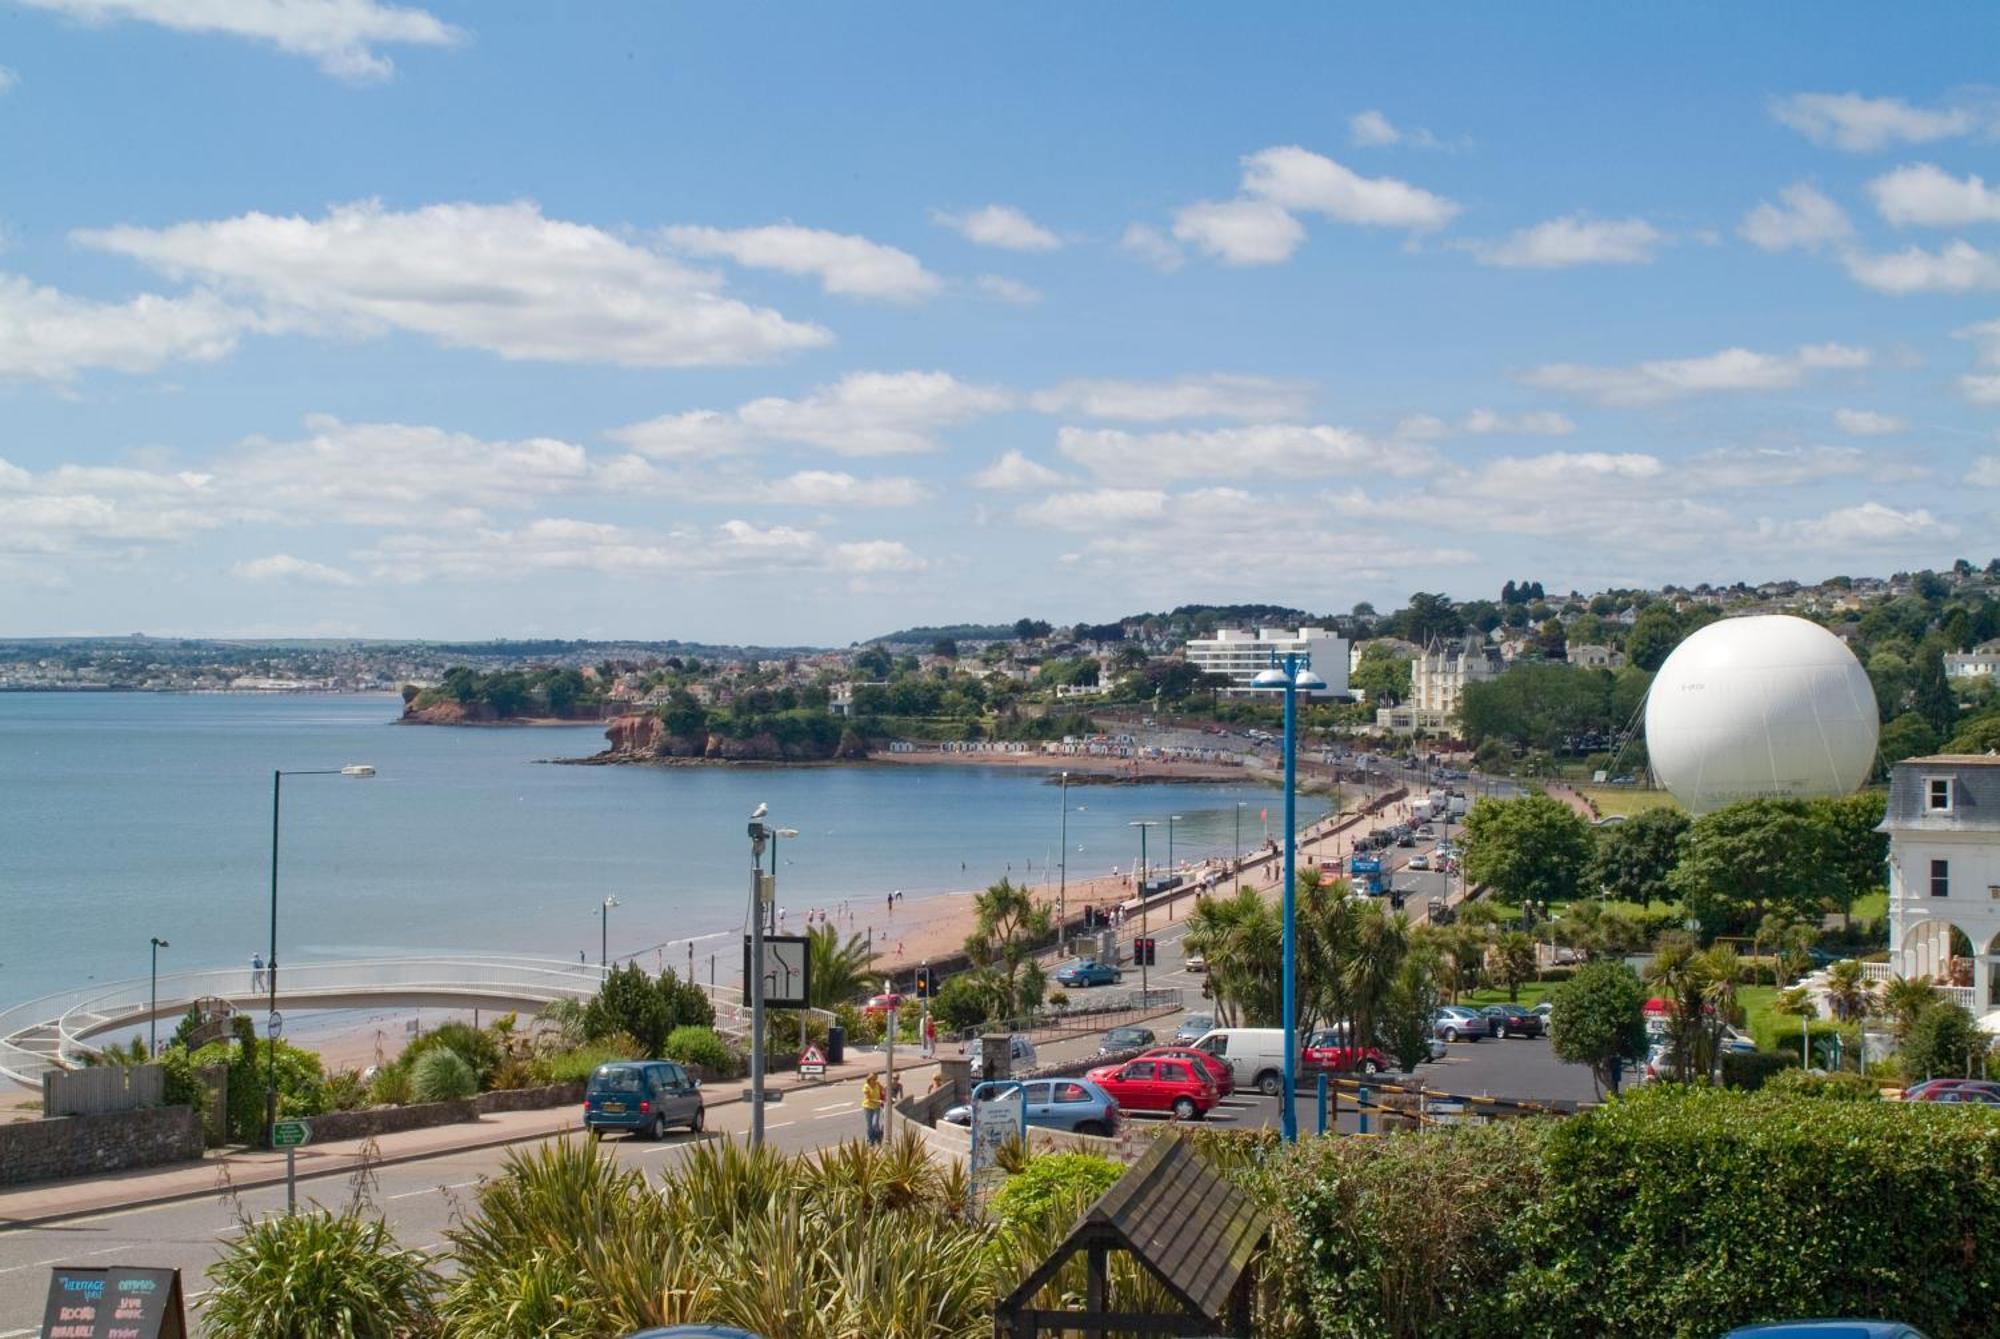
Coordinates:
(256, 972)
(892, 904)
(930, 1035)
(871, 1106)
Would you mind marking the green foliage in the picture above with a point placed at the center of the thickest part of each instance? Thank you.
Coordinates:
(440, 1075)
(1382, 674)
(1531, 848)
(391, 1087)
(1009, 927)
(645, 1008)
(181, 1085)
(1746, 860)
(1412, 1002)
(547, 691)
(1653, 637)
(477, 1047)
(1944, 1040)
(1599, 1018)
(1754, 1069)
(1548, 706)
(301, 1083)
(1053, 1189)
(1791, 1081)
(966, 1000)
(695, 1045)
(578, 1063)
(1634, 858)
(319, 1275)
(1907, 736)
(840, 972)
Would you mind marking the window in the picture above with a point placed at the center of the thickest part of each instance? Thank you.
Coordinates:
(1139, 1069)
(1940, 878)
(1173, 1073)
(1038, 1094)
(1937, 794)
(1072, 1092)
(1214, 1045)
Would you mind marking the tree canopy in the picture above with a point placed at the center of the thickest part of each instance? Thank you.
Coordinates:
(1532, 848)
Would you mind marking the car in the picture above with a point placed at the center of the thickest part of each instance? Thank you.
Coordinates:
(1453, 1023)
(1193, 1028)
(1420, 861)
(1126, 1039)
(1255, 1055)
(1513, 1020)
(1828, 1329)
(1329, 1049)
(1928, 1090)
(1967, 1097)
(1076, 1106)
(1406, 838)
(1181, 1087)
(1089, 972)
(1195, 962)
(642, 1097)
(1225, 1078)
(1438, 1048)
(1021, 1050)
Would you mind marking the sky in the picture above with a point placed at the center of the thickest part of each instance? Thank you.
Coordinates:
(798, 323)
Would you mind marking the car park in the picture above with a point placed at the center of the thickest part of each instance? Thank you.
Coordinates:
(1126, 1039)
(1225, 1080)
(1181, 1087)
(1513, 1020)
(642, 1097)
(1089, 972)
(1453, 1023)
(1075, 1106)
(1193, 1028)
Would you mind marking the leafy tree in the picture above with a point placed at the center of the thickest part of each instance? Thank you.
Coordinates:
(1382, 674)
(1408, 1008)
(1599, 1020)
(1904, 1000)
(1428, 618)
(1907, 736)
(1931, 694)
(629, 1002)
(966, 1000)
(1514, 961)
(1744, 860)
(1653, 637)
(1532, 848)
(946, 647)
(1981, 735)
(1243, 942)
(1028, 629)
(1852, 854)
(1944, 1040)
(1635, 857)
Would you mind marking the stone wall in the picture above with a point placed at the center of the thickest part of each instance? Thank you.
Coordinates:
(377, 1121)
(531, 1099)
(65, 1146)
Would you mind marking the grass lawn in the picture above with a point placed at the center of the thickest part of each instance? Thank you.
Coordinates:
(1872, 906)
(1532, 993)
(1627, 800)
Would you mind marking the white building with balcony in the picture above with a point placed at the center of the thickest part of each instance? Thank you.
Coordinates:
(1241, 656)
(1943, 823)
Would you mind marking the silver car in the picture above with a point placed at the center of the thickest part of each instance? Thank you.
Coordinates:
(1193, 1028)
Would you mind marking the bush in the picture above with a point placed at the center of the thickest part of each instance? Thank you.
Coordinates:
(317, 1273)
(1753, 1070)
(391, 1086)
(475, 1046)
(301, 1085)
(181, 1082)
(345, 1091)
(1786, 1038)
(1840, 1087)
(439, 1075)
(577, 1064)
(701, 1046)
(1559, 972)
(1053, 1188)
(1945, 1040)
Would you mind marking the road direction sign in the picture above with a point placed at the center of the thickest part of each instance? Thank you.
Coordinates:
(275, 1023)
(291, 1134)
(787, 964)
(812, 1065)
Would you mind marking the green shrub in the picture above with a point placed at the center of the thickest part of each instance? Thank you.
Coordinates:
(345, 1091)
(1053, 1188)
(439, 1075)
(301, 1084)
(477, 1047)
(1751, 1071)
(577, 1064)
(1841, 1087)
(1944, 1040)
(701, 1046)
(391, 1086)
(1556, 973)
(181, 1082)
(319, 1275)
(1787, 1038)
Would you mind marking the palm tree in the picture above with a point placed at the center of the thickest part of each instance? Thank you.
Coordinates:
(1009, 926)
(1848, 991)
(1514, 960)
(1903, 998)
(1381, 945)
(1679, 975)
(1720, 967)
(840, 972)
(1771, 930)
(1243, 941)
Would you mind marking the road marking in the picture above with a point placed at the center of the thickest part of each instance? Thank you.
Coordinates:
(432, 1190)
(778, 1125)
(839, 1106)
(39, 1264)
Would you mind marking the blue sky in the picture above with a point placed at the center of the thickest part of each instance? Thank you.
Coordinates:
(800, 323)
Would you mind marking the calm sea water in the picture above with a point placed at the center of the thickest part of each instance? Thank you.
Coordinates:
(124, 816)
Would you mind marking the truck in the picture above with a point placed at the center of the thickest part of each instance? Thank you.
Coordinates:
(1365, 873)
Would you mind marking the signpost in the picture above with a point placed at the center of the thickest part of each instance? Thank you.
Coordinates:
(812, 1065)
(999, 1113)
(291, 1135)
(100, 1303)
(787, 970)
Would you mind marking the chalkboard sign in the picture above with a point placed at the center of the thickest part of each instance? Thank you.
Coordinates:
(114, 1304)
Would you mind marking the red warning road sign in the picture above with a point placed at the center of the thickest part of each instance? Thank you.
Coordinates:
(812, 1064)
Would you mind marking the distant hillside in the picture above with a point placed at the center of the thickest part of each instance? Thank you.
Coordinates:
(957, 632)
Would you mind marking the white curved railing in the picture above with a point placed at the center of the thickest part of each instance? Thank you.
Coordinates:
(50, 1032)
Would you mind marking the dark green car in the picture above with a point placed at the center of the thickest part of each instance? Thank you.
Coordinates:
(642, 1097)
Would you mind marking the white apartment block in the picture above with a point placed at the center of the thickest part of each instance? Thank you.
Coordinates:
(1943, 823)
(1242, 656)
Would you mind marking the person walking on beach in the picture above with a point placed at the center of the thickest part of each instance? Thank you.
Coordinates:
(256, 972)
(871, 1106)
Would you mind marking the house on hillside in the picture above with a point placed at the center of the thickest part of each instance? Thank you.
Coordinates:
(1943, 823)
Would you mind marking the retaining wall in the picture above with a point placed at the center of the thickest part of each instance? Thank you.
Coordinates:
(115, 1141)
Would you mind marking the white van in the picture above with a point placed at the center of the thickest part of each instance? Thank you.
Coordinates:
(1255, 1056)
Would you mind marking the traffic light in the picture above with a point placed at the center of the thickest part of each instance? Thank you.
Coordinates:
(923, 991)
(1144, 952)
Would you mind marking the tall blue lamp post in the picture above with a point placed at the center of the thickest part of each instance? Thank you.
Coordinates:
(1290, 673)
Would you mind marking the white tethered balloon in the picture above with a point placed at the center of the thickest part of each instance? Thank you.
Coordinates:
(1764, 707)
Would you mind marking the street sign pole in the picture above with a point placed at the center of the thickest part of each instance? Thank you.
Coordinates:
(290, 1135)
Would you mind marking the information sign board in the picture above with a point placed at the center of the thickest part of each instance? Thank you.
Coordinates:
(291, 1134)
(787, 963)
(120, 1302)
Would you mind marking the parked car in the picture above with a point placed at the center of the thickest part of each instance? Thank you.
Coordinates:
(1193, 1028)
(1828, 1329)
(1195, 962)
(1928, 1090)
(1019, 1048)
(1967, 1097)
(1329, 1049)
(1454, 1023)
(1076, 1106)
(1406, 838)
(1126, 1039)
(1225, 1080)
(1513, 1020)
(1419, 861)
(642, 1097)
(1178, 1086)
(1089, 972)
(1255, 1056)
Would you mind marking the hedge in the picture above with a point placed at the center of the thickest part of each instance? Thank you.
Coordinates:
(1752, 1070)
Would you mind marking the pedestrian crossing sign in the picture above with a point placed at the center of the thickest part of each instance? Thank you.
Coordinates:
(812, 1065)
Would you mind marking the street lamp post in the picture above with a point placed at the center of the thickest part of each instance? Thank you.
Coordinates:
(357, 771)
(1062, 878)
(1236, 869)
(754, 987)
(1142, 825)
(1172, 868)
(604, 932)
(1290, 672)
(153, 1001)
(771, 909)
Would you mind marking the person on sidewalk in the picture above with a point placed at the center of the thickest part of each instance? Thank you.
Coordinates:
(257, 973)
(871, 1106)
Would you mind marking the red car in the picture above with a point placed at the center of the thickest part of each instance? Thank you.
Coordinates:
(1327, 1049)
(1934, 1090)
(1179, 1086)
(1225, 1079)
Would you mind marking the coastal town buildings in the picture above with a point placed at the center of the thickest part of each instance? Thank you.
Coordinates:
(1981, 662)
(1943, 823)
(1240, 656)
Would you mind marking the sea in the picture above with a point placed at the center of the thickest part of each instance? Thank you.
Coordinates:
(125, 816)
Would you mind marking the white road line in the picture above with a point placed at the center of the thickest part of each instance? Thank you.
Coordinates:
(778, 1125)
(839, 1106)
(432, 1190)
(39, 1264)
(16, 1334)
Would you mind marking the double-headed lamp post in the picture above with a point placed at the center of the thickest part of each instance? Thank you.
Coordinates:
(604, 932)
(761, 886)
(1172, 868)
(153, 1001)
(1062, 877)
(1290, 673)
(1142, 825)
(357, 771)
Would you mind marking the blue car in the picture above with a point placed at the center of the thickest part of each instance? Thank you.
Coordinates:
(1075, 1106)
(1089, 972)
(642, 1097)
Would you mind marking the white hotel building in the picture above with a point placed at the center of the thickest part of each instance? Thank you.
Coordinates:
(1242, 656)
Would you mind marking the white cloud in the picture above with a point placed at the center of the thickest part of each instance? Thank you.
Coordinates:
(845, 264)
(1805, 219)
(1985, 472)
(1927, 195)
(1862, 125)
(1729, 468)
(1293, 451)
(8, 79)
(496, 277)
(1533, 423)
(1239, 232)
(825, 488)
(873, 556)
(1096, 508)
(48, 335)
(1372, 130)
(862, 414)
(1008, 290)
(1867, 525)
(1002, 226)
(1982, 385)
(1867, 423)
(1957, 267)
(1213, 395)
(699, 434)
(341, 35)
(1298, 179)
(284, 567)
(1574, 240)
(1152, 246)
(1733, 369)
(1013, 472)
(77, 509)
